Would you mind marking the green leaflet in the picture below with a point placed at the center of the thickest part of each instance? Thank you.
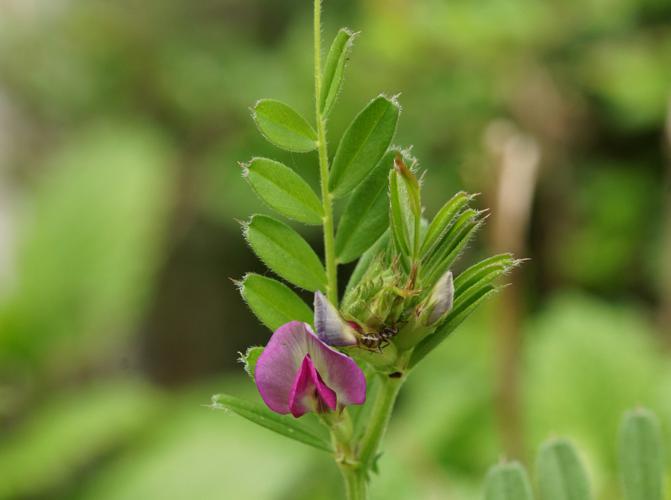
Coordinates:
(249, 359)
(285, 252)
(560, 474)
(397, 219)
(335, 68)
(365, 217)
(363, 144)
(641, 464)
(451, 246)
(485, 270)
(443, 220)
(282, 424)
(507, 481)
(283, 190)
(284, 127)
(405, 208)
(273, 302)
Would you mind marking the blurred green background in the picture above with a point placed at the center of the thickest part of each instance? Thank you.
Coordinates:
(121, 125)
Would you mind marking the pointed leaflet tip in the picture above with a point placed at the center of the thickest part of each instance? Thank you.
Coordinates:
(331, 328)
(238, 283)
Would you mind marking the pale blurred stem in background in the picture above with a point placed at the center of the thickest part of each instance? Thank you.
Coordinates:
(327, 198)
(516, 159)
(665, 285)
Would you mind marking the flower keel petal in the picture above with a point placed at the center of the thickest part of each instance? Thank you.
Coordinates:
(309, 392)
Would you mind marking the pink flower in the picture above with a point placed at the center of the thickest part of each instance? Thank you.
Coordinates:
(298, 373)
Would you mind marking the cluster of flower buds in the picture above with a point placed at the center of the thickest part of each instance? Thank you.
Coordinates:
(300, 371)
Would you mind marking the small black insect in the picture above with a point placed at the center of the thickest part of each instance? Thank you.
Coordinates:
(375, 341)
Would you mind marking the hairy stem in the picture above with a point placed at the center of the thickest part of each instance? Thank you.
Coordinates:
(327, 199)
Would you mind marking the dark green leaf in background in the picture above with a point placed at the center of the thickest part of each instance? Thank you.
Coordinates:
(363, 144)
(284, 127)
(285, 252)
(283, 190)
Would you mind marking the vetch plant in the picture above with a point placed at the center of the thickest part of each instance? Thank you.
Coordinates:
(345, 360)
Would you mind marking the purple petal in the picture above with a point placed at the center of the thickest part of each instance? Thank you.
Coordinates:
(331, 328)
(309, 392)
(281, 365)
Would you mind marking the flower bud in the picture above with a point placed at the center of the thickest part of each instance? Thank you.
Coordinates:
(439, 303)
(331, 328)
(428, 314)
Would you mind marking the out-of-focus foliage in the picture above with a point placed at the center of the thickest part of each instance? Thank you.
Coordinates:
(121, 125)
(91, 241)
(68, 433)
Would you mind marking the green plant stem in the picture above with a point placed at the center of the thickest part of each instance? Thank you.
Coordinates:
(356, 486)
(327, 198)
(379, 419)
(353, 475)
